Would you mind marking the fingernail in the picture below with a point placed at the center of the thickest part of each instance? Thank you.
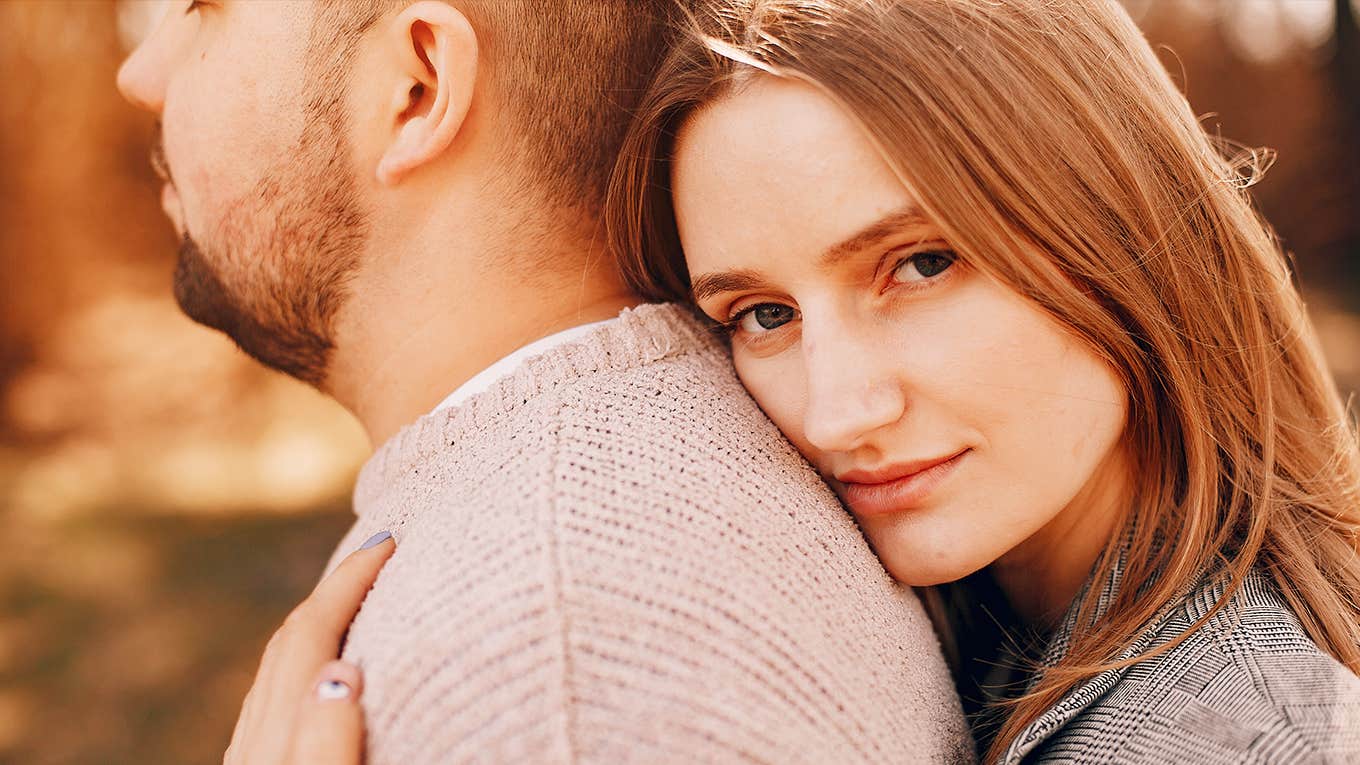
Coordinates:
(333, 690)
(376, 540)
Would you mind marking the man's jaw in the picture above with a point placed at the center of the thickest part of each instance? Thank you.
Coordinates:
(289, 344)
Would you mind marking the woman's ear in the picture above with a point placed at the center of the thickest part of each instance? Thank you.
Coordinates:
(435, 48)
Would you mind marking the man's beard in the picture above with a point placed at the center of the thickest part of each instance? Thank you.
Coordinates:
(281, 267)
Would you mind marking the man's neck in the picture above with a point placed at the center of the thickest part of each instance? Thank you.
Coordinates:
(404, 351)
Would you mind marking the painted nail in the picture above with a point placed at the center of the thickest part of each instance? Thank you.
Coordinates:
(332, 690)
(376, 539)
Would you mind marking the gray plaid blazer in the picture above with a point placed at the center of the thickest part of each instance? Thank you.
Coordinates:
(1247, 687)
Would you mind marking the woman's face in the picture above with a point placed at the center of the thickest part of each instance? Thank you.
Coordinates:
(961, 425)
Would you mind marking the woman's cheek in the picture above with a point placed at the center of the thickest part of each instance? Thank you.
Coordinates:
(778, 386)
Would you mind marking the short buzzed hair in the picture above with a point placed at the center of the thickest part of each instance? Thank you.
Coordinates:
(568, 71)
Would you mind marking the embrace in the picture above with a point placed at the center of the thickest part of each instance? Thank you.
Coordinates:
(790, 381)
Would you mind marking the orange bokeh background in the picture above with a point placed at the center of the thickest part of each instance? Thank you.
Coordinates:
(165, 500)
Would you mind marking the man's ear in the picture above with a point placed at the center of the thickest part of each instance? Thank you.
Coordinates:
(435, 49)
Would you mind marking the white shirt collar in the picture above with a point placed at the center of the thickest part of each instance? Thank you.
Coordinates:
(488, 377)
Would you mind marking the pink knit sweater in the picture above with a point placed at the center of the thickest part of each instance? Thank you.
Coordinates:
(612, 556)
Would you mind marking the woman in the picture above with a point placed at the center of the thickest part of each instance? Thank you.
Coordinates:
(981, 264)
(303, 706)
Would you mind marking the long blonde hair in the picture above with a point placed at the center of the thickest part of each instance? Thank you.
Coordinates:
(1055, 153)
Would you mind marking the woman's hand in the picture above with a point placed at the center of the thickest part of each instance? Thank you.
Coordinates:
(304, 704)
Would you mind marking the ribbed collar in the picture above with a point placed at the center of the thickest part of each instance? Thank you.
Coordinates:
(640, 336)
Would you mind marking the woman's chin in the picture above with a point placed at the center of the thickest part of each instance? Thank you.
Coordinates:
(923, 568)
(914, 556)
(918, 576)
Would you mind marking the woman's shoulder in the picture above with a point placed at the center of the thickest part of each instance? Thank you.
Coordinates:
(1248, 685)
(1252, 668)
(1257, 640)
(1248, 682)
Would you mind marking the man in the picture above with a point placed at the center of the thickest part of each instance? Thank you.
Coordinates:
(606, 553)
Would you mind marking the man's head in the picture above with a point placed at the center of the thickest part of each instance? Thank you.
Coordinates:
(305, 142)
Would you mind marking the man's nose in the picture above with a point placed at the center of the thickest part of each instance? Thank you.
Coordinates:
(851, 391)
(142, 77)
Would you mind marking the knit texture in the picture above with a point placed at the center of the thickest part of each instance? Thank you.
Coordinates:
(612, 556)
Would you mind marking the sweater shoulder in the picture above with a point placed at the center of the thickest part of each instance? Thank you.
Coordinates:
(635, 566)
(679, 417)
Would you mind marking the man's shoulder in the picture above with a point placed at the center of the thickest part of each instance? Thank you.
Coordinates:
(657, 428)
(683, 428)
(686, 392)
(680, 414)
(640, 534)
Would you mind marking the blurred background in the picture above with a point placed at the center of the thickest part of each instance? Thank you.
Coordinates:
(164, 501)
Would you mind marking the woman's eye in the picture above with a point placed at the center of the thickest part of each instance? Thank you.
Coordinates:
(923, 266)
(765, 317)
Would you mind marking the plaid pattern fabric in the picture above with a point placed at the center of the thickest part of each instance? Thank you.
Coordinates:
(1248, 687)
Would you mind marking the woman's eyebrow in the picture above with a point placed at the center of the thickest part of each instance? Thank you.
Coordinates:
(717, 282)
(737, 280)
(909, 215)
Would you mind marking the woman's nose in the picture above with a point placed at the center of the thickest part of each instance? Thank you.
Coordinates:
(850, 393)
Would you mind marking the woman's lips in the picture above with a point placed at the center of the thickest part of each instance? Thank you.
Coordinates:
(895, 488)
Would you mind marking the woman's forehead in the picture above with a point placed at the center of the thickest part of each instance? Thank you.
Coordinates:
(778, 167)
